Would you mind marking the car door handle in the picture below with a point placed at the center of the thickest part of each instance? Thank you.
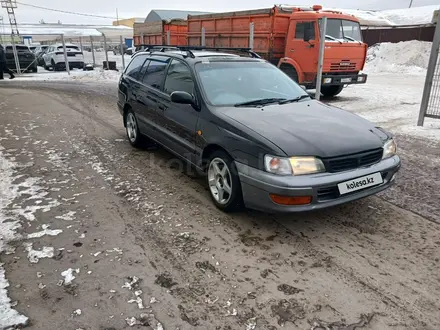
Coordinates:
(162, 107)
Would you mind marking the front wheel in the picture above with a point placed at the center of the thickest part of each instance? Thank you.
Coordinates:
(330, 91)
(223, 181)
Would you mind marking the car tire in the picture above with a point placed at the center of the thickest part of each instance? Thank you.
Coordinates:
(223, 182)
(35, 69)
(132, 129)
(330, 91)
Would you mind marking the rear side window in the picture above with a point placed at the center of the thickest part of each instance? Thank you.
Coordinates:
(178, 78)
(301, 27)
(155, 72)
(69, 48)
(135, 66)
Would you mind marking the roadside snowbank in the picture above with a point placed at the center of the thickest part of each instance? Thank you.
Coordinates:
(407, 57)
(98, 75)
(8, 227)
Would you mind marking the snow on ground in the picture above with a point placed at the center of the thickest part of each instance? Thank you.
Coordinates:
(98, 75)
(100, 58)
(392, 95)
(8, 232)
(408, 57)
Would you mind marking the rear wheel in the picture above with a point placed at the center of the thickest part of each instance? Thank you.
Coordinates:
(223, 181)
(132, 129)
(54, 66)
(330, 91)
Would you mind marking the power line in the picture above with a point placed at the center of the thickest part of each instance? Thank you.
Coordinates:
(64, 11)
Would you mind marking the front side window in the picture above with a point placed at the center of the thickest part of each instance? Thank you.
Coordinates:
(155, 72)
(178, 78)
(230, 83)
(135, 66)
(343, 30)
(301, 27)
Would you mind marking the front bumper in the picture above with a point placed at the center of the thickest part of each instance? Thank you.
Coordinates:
(346, 79)
(323, 187)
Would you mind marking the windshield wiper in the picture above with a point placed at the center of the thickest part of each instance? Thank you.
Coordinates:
(296, 99)
(351, 39)
(332, 38)
(259, 102)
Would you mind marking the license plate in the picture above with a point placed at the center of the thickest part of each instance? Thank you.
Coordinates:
(360, 183)
(346, 80)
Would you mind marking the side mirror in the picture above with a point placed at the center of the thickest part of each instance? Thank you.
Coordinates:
(307, 34)
(182, 97)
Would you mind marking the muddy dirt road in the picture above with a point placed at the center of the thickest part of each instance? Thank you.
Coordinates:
(147, 248)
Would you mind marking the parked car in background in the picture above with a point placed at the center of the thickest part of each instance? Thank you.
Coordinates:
(54, 57)
(32, 48)
(39, 52)
(127, 50)
(258, 136)
(25, 56)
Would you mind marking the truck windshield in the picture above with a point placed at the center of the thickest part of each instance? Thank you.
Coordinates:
(230, 83)
(343, 30)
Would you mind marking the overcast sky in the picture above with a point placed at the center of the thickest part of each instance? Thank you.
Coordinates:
(141, 8)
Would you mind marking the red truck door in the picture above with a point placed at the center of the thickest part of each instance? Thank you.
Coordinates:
(304, 53)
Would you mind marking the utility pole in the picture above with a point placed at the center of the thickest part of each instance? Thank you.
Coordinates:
(410, 4)
(117, 17)
(10, 5)
(2, 31)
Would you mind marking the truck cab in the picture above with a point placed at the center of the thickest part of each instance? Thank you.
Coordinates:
(344, 55)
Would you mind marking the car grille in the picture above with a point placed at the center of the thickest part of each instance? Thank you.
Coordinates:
(330, 193)
(350, 162)
(343, 66)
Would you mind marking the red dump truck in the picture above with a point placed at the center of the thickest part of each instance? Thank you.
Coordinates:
(172, 32)
(289, 37)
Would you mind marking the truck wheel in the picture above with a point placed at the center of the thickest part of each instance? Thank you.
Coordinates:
(290, 71)
(330, 91)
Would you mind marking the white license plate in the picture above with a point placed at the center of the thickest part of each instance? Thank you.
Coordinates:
(360, 183)
(346, 80)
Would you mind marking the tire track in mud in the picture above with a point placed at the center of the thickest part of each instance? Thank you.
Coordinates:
(348, 276)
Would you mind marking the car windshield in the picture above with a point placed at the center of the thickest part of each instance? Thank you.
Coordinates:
(231, 83)
(343, 30)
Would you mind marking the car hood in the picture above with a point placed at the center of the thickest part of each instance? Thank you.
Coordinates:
(310, 128)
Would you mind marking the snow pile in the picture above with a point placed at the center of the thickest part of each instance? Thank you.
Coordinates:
(95, 75)
(396, 17)
(8, 192)
(407, 57)
(411, 16)
(367, 17)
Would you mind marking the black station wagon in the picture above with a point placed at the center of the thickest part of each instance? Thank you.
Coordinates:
(260, 139)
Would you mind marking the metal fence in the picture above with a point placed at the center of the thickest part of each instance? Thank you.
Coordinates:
(376, 35)
(99, 51)
(430, 106)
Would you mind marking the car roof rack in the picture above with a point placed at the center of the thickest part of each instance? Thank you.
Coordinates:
(189, 49)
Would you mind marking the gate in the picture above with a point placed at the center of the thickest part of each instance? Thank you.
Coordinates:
(430, 106)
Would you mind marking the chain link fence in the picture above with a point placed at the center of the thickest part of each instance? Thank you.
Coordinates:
(430, 106)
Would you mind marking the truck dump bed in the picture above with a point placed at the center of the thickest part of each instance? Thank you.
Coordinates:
(232, 30)
(155, 33)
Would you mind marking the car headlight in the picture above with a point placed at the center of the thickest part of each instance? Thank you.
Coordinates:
(389, 149)
(293, 165)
